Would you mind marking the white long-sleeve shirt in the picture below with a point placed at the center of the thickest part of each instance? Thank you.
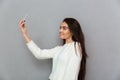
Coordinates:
(66, 60)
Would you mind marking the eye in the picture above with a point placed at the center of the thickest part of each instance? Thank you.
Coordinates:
(65, 28)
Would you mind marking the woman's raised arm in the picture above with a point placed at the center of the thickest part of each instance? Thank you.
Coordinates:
(24, 31)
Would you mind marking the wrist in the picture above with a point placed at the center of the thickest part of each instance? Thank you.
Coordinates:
(27, 38)
(25, 34)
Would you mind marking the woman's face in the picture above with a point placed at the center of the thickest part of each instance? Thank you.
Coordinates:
(64, 31)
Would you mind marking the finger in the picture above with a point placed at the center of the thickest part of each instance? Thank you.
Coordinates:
(22, 25)
(22, 22)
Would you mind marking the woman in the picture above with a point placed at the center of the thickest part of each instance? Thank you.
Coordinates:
(69, 60)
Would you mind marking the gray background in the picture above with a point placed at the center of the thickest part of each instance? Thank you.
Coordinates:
(100, 21)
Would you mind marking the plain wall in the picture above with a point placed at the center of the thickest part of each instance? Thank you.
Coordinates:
(99, 19)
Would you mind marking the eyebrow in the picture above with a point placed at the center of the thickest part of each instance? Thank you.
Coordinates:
(64, 26)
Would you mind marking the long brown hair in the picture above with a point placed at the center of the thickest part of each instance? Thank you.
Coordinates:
(78, 36)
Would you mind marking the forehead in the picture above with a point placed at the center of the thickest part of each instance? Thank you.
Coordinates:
(64, 24)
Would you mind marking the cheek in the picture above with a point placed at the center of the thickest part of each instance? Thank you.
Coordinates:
(67, 34)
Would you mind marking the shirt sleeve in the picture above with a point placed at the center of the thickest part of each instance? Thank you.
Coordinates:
(42, 53)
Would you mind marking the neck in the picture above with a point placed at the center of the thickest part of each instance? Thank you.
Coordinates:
(68, 40)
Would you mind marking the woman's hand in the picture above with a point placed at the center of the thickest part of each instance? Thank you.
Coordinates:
(23, 27)
(24, 30)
